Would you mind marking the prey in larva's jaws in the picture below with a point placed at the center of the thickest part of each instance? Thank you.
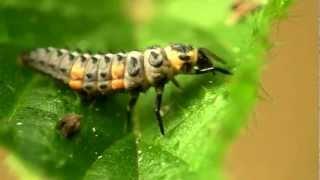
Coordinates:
(133, 72)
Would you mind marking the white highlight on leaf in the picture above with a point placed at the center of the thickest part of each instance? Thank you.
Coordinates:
(99, 157)
(19, 123)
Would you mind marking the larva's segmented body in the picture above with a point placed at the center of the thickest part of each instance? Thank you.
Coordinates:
(133, 71)
(103, 73)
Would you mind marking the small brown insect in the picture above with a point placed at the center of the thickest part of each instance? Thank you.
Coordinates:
(69, 125)
(242, 8)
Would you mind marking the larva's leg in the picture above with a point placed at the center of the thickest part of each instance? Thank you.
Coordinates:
(176, 83)
(157, 108)
(87, 98)
(213, 70)
(130, 107)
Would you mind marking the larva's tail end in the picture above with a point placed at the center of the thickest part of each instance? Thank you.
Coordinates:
(24, 58)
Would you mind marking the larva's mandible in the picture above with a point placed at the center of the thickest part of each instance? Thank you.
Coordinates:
(134, 71)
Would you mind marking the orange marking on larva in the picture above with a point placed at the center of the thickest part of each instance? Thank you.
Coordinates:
(117, 84)
(117, 71)
(194, 55)
(75, 84)
(173, 57)
(176, 63)
(77, 73)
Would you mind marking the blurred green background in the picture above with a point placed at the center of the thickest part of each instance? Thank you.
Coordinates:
(281, 140)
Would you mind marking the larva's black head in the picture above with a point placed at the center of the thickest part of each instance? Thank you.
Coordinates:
(209, 62)
(188, 60)
(182, 57)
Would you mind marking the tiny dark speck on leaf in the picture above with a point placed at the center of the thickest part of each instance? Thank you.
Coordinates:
(69, 125)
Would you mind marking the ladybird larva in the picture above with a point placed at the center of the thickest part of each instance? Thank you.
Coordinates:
(133, 72)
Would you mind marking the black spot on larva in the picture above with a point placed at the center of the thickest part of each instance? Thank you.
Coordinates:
(103, 86)
(184, 57)
(63, 70)
(107, 59)
(94, 60)
(182, 48)
(89, 75)
(178, 47)
(52, 66)
(71, 56)
(154, 54)
(133, 66)
(120, 57)
(41, 62)
(103, 75)
(189, 47)
(60, 52)
(88, 87)
(83, 58)
(155, 59)
(47, 50)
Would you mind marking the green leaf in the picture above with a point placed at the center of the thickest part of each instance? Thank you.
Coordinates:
(201, 120)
